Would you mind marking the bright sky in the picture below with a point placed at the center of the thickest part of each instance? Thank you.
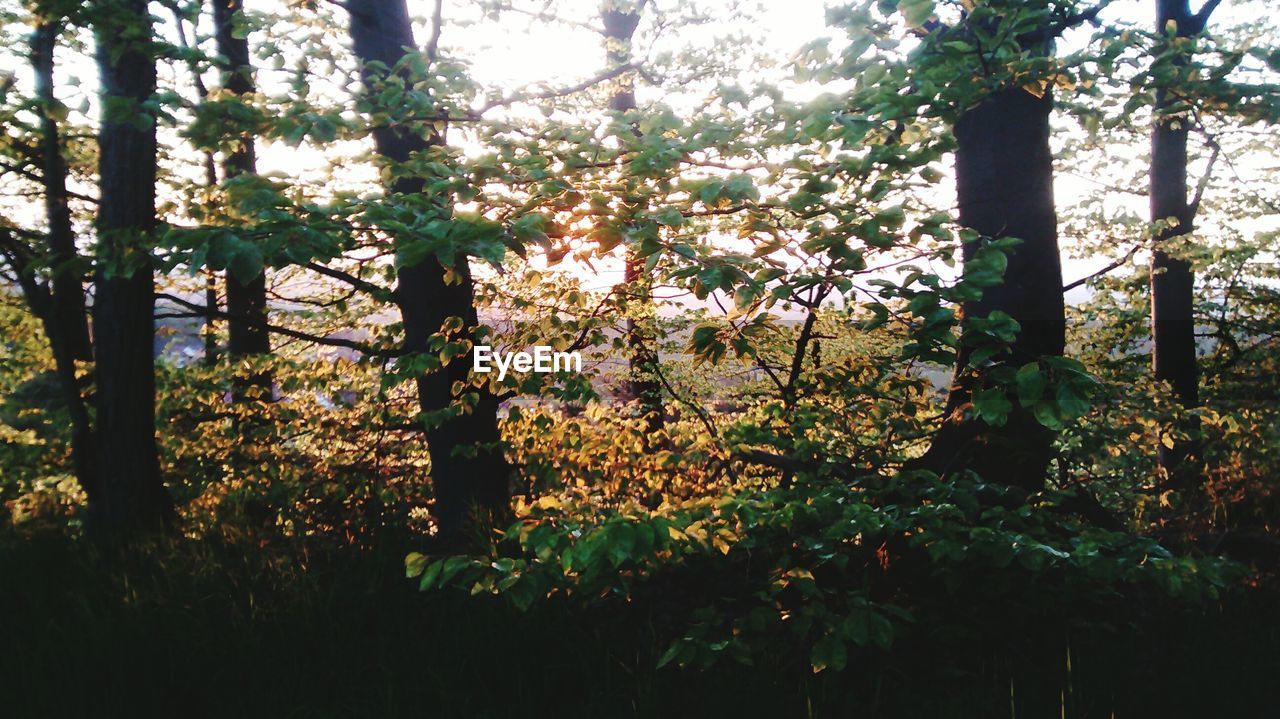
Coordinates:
(517, 52)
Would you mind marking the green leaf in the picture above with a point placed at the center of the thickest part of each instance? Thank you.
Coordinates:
(430, 576)
(672, 652)
(829, 653)
(1031, 384)
(670, 217)
(992, 406)
(246, 264)
(1046, 413)
(1071, 401)
(916, 12)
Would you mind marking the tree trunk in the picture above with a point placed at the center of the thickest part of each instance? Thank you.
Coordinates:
(68, 292)
(246, 301)
(469, 472)
(1173, 351)
(619, 29)
(132, 494)
(65, 318)
(1004, 187)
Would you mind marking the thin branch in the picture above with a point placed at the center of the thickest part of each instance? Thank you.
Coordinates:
(1114, 265)
(193, 66)
(1201, 19)
(548, 17)
(1075, 19)
(797, 359)
(36, 177)
(365, 286)
(793, 465)
(199, 310)
(1194, 207)
(560, 92)
(20, 258)
(437, 24)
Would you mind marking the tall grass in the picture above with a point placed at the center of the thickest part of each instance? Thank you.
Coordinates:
(194, 629)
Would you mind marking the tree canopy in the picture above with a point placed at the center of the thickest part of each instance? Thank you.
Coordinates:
(899, 328)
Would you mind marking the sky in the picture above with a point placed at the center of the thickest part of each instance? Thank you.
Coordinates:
(519, 52)
(516, 52)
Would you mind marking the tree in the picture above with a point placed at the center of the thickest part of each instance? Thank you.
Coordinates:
(1173, 331)
(68, 307)
(469, 473)
(246, 298)
(131, 494)
(620, 23)
(1004, 189)
(60, 302)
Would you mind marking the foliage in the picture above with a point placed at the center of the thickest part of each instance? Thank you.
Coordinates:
(803, 274)
(826, 570)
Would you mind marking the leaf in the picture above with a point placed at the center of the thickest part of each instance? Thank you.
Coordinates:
(1046, 413)
(430, 575)
(672, 652)
(1071, 401)
(710, 192)
(829, 653)
(873, 75)
(992, 406)
(1031, 384)
(246, 264)
(670, 217)
(916, 12)
(414, 563)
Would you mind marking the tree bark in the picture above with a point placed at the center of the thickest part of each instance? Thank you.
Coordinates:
(246, 301)
(1173, 351)
(65, 318)
(642, 383)
(132, 495)
(470, 475)
(1004, 187)
(68, 292)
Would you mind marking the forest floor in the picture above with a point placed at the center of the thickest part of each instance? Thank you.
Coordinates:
(198, 630)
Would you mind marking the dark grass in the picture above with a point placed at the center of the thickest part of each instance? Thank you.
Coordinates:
(203, 630)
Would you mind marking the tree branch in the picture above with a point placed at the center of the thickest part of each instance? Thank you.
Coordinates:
(199, 310)
(560, 92)
(35, 177)
(437, 24)
(365, 286)
(1194, 207)
(797, 359)
(1075, 19)
(1114, 265)
(20, 258)
(1201, 19)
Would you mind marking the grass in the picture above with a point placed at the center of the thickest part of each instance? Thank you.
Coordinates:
(204, 630)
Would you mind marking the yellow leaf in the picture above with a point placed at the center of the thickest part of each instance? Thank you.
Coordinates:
(414, 563)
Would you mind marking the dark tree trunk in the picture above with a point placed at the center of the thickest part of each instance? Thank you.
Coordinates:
(1173, 351)
(469, 473)
(246, 301)
(211, 308)
(68, 293)
(64, 316)
(1004, 187)
(643, 385)
(132, 495)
